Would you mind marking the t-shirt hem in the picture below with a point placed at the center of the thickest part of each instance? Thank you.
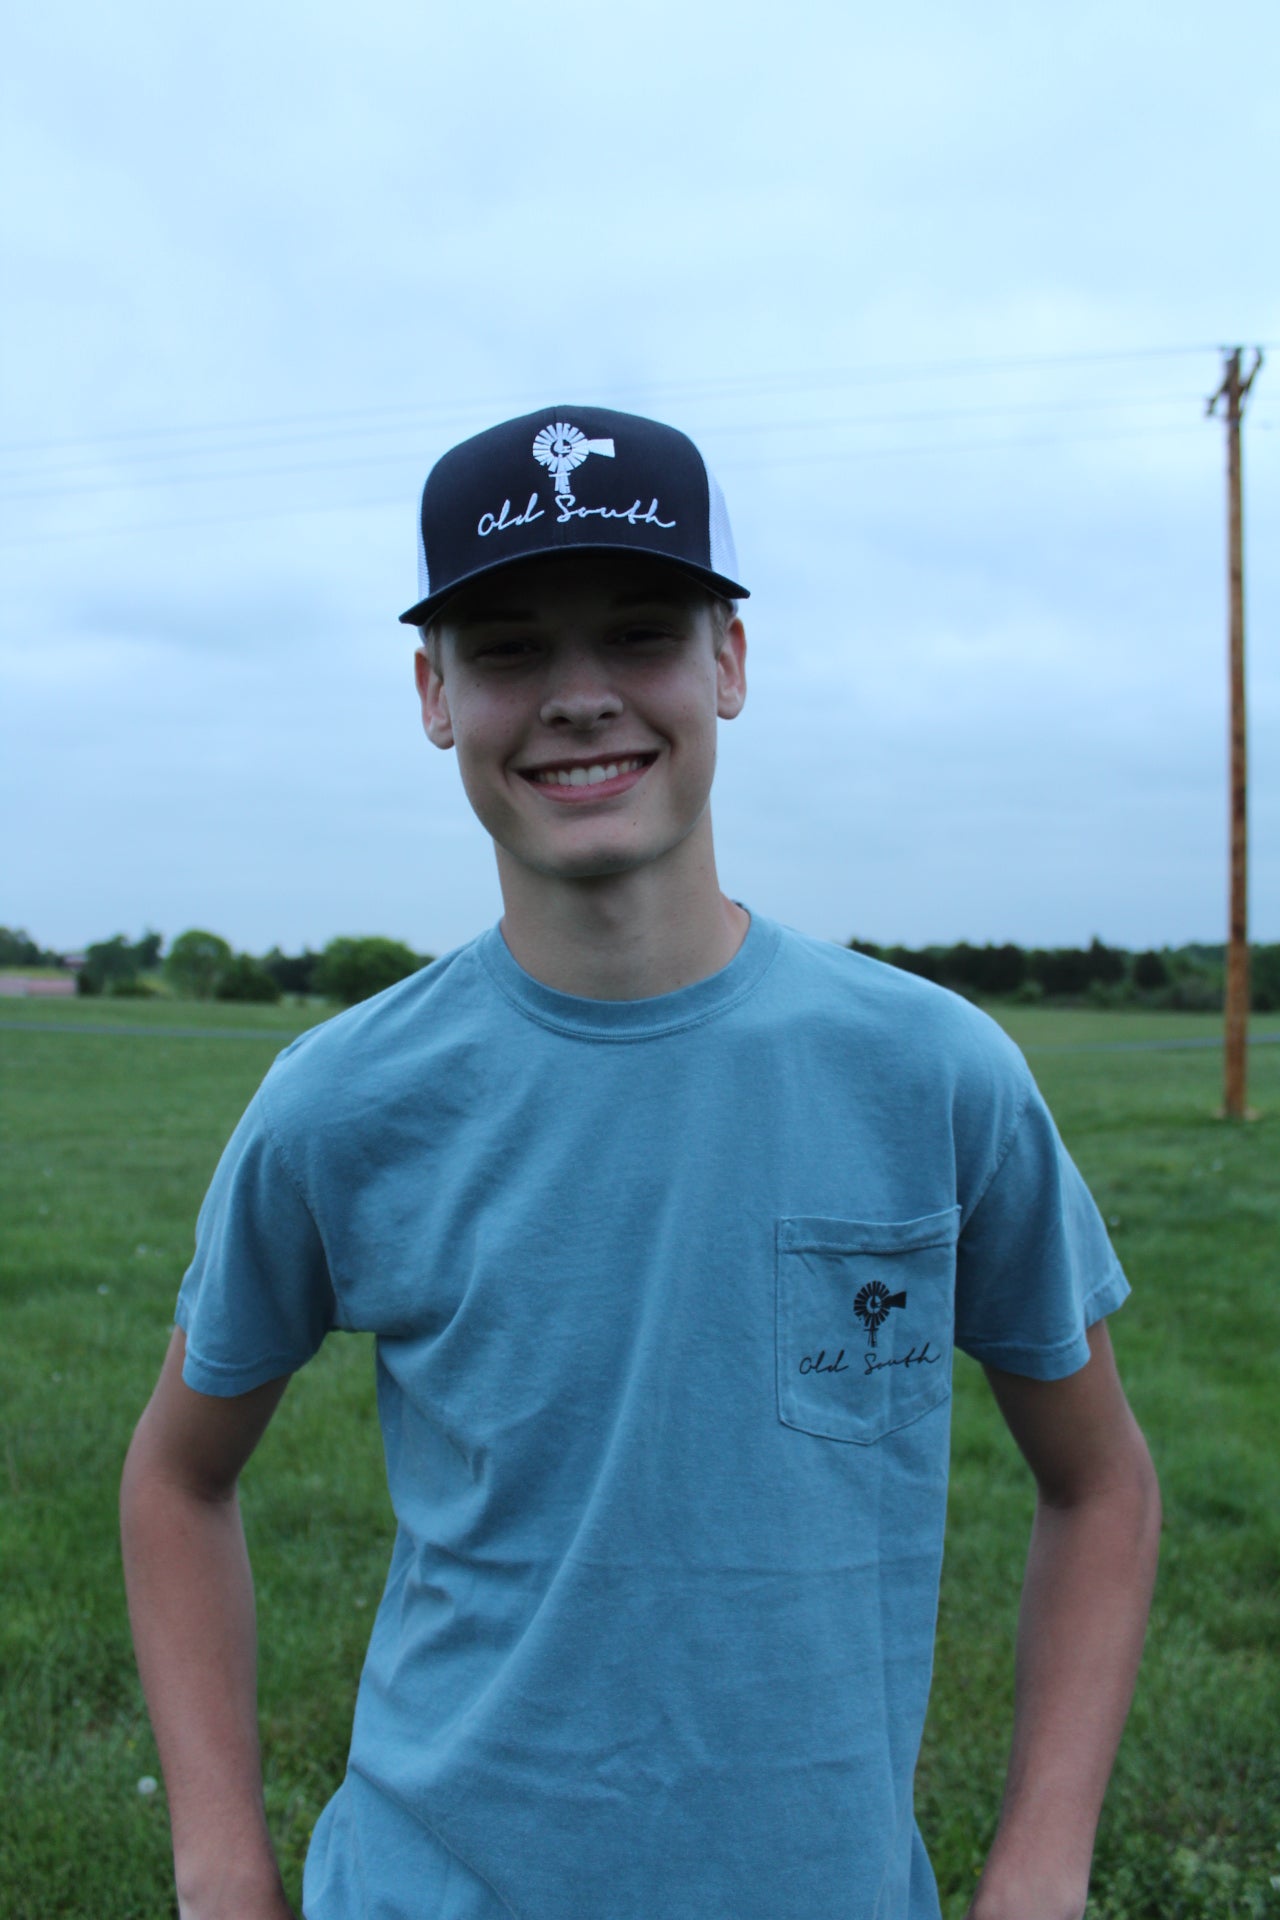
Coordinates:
(224, 1380)
(1063, 1357)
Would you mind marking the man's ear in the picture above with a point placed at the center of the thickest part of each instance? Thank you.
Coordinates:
(436, 722)
(731, 671)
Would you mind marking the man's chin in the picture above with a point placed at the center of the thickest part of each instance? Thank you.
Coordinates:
(580, 865)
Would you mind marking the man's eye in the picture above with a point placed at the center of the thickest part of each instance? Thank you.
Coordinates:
(644, 636)
(498, 651)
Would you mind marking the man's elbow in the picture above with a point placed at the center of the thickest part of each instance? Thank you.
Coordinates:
(1123, 1502)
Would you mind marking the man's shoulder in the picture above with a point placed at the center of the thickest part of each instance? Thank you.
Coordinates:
(884, 1001)
(353, 1054)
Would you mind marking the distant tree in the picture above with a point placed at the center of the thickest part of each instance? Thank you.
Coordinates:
(1006, 968)
(352, 969)
(1149, 971)
(1197, 978)
(108, 962)
(1107, 964)
(18, 949)
(1063, 972)
(1264, 979)
(865, 946)
(244, 978)
(146, 951)
(983, 970)
(924, 964)
(194, 963)
(292, 973)
(113, 966)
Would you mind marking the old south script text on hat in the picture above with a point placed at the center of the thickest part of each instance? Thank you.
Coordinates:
(568, 510)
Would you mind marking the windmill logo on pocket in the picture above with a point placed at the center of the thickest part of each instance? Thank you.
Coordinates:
(872, 1306)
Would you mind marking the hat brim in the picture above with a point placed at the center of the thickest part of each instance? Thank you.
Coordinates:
(424, 610)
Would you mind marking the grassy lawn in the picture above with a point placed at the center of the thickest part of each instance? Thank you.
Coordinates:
(107, 1140)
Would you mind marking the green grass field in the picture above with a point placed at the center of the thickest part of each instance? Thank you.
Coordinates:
(110, 1126)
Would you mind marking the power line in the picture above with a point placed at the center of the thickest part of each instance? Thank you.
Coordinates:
(827, 420)
(843, 456)
(725, 385)
(827, 423)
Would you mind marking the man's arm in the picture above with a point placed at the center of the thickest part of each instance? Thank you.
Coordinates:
(1085, 1600)
(192, 1613)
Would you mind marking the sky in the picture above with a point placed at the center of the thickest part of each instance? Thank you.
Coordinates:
(939, 292)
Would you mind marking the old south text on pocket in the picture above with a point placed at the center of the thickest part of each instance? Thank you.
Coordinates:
(864, 1323)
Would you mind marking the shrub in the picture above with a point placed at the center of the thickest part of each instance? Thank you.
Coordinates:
(108, 964)
(1264, 979)
(1150, 972)
(244, 978)
(1196, 993)
(292, 973)
(353, 969)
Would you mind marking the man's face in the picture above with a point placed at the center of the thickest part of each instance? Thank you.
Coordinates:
(582, 695)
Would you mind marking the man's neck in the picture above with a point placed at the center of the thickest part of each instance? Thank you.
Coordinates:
(626, 936)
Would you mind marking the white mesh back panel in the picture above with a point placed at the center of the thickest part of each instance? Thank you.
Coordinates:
(723, 558)
(424, 582)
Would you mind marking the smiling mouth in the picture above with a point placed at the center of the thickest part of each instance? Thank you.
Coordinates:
(591, 773)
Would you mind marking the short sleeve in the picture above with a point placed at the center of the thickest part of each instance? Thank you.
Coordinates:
(1035, 1268)
(257, 1299)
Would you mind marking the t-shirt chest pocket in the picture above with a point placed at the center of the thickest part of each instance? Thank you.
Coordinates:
(865, 1311)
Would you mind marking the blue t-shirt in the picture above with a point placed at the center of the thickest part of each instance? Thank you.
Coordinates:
(665, 1294)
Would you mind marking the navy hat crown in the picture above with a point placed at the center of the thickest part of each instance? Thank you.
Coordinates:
(564, 479)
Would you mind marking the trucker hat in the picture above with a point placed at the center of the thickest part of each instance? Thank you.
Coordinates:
(570, 479)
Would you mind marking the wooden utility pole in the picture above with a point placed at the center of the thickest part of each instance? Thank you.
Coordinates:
(1233, 390)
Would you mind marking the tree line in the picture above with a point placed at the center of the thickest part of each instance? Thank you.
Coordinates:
(200, 965)
(1188, 979)
(203, 966)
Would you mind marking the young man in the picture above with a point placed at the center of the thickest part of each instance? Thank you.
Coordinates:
(666, 1219)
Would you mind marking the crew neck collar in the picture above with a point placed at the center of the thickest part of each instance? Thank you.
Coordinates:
(622, 1020)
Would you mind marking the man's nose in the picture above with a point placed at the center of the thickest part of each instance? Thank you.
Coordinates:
(580, 694)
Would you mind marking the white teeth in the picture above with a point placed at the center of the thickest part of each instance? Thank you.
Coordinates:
(587, 776)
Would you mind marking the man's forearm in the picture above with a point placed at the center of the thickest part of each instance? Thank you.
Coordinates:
(192, 1612)
(1085, 1601)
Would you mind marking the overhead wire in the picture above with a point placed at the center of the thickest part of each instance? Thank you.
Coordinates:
(843, 456)
(129, 481)
(132, 470)
(726, 385)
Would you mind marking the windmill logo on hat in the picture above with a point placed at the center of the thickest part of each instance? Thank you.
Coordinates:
(562, 448)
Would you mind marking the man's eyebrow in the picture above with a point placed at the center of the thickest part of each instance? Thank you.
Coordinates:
(489, 616)
(492, 616)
